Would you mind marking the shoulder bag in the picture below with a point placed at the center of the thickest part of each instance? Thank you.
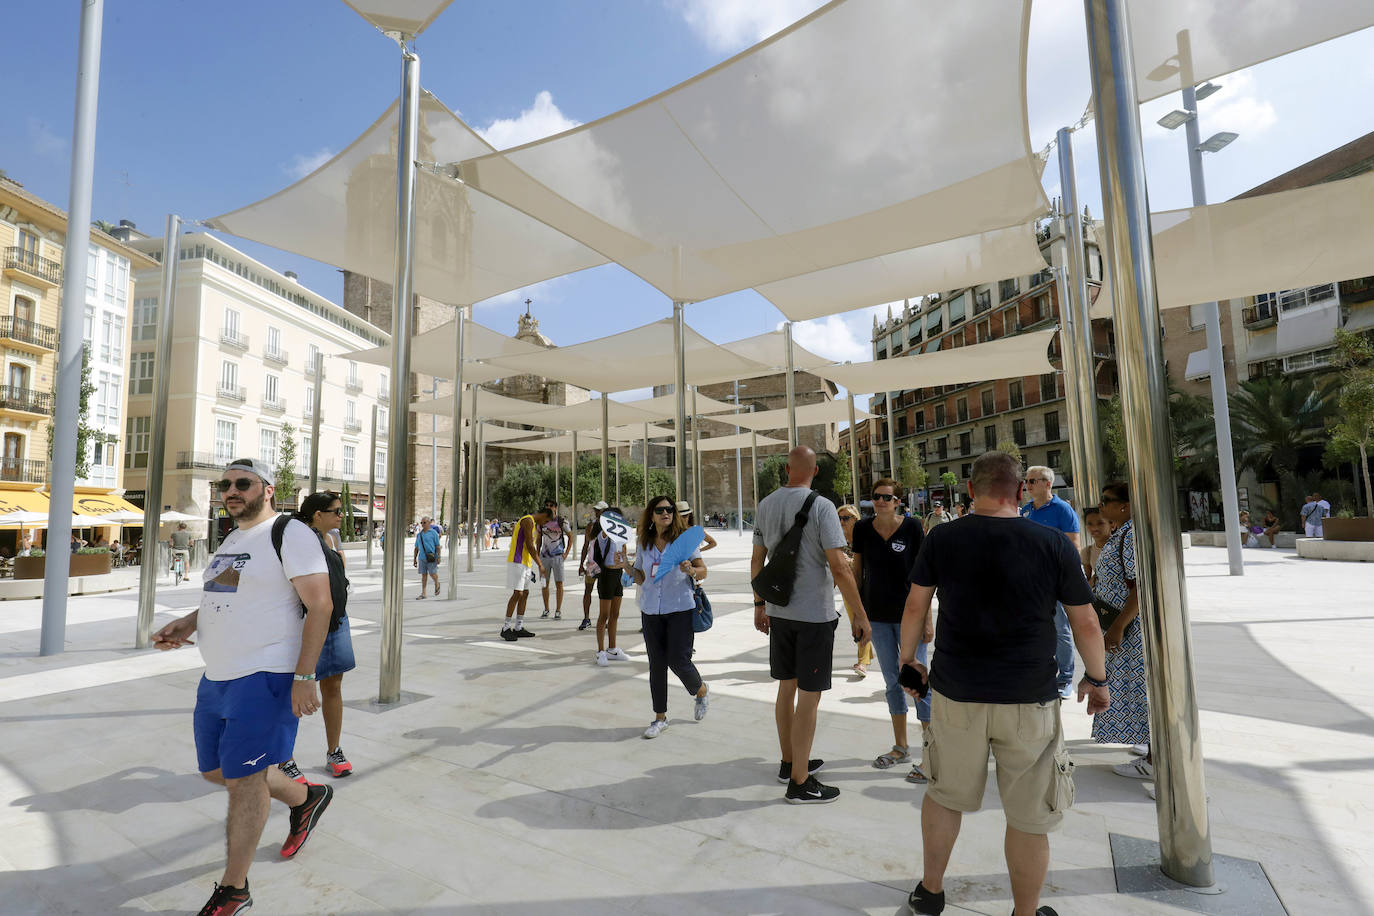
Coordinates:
(1107, 613)
(775, 581)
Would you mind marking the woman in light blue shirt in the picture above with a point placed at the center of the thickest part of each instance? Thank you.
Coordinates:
(666, 609)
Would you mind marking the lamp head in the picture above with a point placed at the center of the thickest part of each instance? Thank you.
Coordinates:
(1175, 119)
(1217, 141)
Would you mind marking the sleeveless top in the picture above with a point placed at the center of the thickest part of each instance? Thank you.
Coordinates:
(518, 553)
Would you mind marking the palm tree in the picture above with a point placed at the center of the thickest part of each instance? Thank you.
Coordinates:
(1274, 420)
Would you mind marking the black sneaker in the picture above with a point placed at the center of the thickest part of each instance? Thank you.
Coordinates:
(292, 771)
(585, 624)
(305, 816)
(810, 792)
(785, 769)
(927, 902)
(521, 633)
(1043, 911)
(509, 635)
(545, 614)
(226, 901)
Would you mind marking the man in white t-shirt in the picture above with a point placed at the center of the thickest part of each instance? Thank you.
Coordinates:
(1314, 512)
(259, 677)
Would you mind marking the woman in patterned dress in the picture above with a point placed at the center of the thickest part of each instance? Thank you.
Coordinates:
(1127, 721)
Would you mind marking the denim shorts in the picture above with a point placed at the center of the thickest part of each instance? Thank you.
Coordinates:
(244, 725)
(336, 656)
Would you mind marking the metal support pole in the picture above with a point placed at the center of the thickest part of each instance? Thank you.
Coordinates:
(617, 476)
(739, 470)
(679, 402)
(853, 454)
(372, 490)
(482, 473)
(791, 387)
(1211, 319)
(162, 386)
(1085, 440)
(474, 536)
(1184, 833)
(754, 457)
(605, 444)
(434, 453)
(557, 460)
(315, 423)
(696, 458)
(398, 435)
(646, 465)
(574, 525)
(455, 518)
(891, 438)
(67, 385)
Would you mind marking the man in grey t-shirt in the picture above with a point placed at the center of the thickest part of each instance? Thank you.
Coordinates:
(801, 635)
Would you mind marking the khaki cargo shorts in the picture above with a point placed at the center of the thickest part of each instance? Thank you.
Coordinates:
(1034, 772)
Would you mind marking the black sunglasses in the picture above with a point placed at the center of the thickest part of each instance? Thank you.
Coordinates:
(663, 510)
(338, 511)
(241, 484)
(885, 497)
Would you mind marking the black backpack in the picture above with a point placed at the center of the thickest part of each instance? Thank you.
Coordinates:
(774, 582)
(338, 580)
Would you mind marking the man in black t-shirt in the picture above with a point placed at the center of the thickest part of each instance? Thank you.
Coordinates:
(993, 678)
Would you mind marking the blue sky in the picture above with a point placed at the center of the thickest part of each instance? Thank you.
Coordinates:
(203, 109)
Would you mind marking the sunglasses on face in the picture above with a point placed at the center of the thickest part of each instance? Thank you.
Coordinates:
(1035, 480)
(241, 484)
(338, 511)
(663, 510)
(884, 497)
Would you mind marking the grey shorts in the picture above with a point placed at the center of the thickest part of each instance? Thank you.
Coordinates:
(427, 568)
(553, 568)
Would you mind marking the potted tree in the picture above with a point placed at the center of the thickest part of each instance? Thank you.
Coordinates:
(1354, 429)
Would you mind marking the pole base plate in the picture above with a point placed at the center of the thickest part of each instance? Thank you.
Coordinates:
(1242, 887)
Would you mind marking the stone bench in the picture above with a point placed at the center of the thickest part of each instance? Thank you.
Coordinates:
(1322, 549)
(1286, 539)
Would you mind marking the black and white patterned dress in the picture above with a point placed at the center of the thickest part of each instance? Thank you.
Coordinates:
(1127, 720)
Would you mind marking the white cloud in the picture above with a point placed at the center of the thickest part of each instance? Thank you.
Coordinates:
(1238, 107)
(540, 120)
(303, 164)
(43, 140)
(731, 25)
(848, 336)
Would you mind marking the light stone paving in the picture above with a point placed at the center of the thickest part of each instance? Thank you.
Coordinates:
(521, 784)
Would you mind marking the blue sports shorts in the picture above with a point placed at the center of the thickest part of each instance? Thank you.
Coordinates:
(244, 725)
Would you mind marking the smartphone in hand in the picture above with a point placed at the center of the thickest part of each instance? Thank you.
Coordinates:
(910, 678)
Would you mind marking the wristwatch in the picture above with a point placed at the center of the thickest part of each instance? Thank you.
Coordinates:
(1093, 681)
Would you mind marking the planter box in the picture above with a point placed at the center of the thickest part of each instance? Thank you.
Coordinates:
(1348, 529)
(82, 564)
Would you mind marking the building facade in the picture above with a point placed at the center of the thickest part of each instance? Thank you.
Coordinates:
(244, 343)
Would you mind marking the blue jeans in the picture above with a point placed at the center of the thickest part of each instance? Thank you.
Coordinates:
(1063, 651)
(887, 642)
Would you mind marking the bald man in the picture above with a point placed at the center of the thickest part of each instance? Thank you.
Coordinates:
(801, 634)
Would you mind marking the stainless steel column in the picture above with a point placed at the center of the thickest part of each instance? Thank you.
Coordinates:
(162, 386)
(617, 476)
(315, 422)
(398, 435)
(473, 534)
(646, 465)
(696, 458)
(1077, 338)
(574, 492)
(891, 439)
(372, 489)
(482, 475)
(67, 385)
(605, 445)
(1184, 834)
(455, 459)
(1211, 319)
(680, 402)
(434, 452)
(754, 457)
(739, 469)
(853, 454)
(791, 387)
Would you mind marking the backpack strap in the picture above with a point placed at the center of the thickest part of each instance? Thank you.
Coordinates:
(278, 531)
(804, 512)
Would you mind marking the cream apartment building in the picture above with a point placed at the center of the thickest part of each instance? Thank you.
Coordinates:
(244, 341)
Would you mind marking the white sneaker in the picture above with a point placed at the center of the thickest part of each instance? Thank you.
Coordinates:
(1136, 769)
(1139, 750)
(702, 703)
(617, 654)
(655, 728)
(602, 660)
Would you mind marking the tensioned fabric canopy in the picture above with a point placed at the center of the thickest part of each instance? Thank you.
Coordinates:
(821, 412)
(1251, 245)
(489, 432)
(490, 406)
(770, 350)
(431, 353)
(952, 264)
(409, 17)
(828, 143)
(586, 442)
(1008, 357)
(737, 440)
(1179, 43)
(664, 407)
(587, 415)
(468, 247)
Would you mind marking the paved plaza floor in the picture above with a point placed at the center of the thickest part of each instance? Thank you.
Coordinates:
(515, 781)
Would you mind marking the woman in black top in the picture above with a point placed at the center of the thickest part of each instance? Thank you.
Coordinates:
(885, 549)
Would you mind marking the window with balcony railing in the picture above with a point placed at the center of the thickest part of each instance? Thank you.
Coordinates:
(233, 337)
(28, 260)
(29, 332)
(1018, 431)
(1016, 395)
(961, 409)
(25, 399)
(942, 448)
(982, 301)
(1008, 289)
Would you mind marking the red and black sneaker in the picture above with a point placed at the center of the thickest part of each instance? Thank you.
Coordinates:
(338, 763)
(305, 816)
(226, 901)
(292, 771)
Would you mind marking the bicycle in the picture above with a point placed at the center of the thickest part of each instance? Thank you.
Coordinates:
(178, 566)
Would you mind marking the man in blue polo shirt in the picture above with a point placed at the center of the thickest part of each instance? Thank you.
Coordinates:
(1053, 512)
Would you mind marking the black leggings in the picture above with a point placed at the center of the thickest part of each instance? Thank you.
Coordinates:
(668, 641)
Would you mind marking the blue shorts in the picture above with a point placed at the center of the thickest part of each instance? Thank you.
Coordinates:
(427, 568)
(244, 725)
(337, 655)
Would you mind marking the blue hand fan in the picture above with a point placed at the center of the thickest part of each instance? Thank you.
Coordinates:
(682, 549)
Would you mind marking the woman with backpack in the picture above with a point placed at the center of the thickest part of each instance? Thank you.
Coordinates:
(666, 609)
(323, 512)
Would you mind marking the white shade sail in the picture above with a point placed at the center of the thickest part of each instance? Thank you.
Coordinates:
(833, 141)
(634, 432)
(1186, 42)
(731, 442)
(587, 415)
(409, 17)
(490, 406)
(952, 264)
(489, 431)
(770, 350)
(431, 353)
(1009, 357)
(638, 358)
(468, 247)
(564, 443)
(822, 412)
(1251, 245)
(664, 407)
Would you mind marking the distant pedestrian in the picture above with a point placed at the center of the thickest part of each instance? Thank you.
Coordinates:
(937, 516)
(1052, 512)
(589, 534)
(684, 509)
(666, 609)
(609, 564)
(849, 516)
(885, 548)
(801, 634)
(1314, 512)
(426, 555)
(992, 680)
(553, 550)
(520, 563)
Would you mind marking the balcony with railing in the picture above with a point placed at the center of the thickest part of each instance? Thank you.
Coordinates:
(187, 460)
(1289, 299)
(232, 392)
(275, 405)
(24, 470)
(278, 356)
(23, 264)
(1008, 289)
(310, 369)
(1260, 315)
(353, 425)
(25, 401)
(23, 334)
(383, 395)
(353, 384)
(233, 338)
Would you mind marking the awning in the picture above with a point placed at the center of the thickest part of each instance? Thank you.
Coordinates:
(829, 143)
(410, 17)
(22, 501)
(1310, 329)
(1199, 366)
(97, 505)
(1009, 357)
(1262, 346)
(1361, 319)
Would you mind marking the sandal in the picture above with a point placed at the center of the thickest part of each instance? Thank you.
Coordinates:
(916, 776)
(860, 670)
(892, 758)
